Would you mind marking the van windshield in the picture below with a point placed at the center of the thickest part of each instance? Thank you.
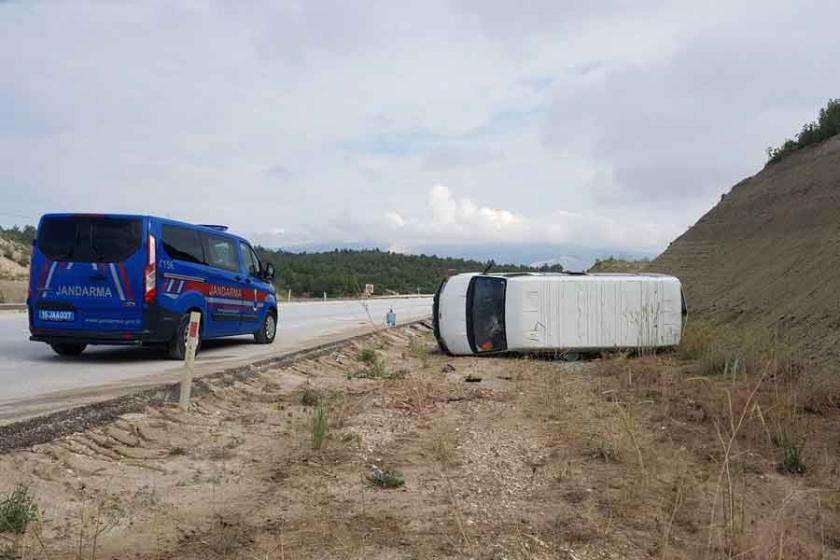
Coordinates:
(89, 238)
(487, 314)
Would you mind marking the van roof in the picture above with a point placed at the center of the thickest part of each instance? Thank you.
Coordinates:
(214, 229)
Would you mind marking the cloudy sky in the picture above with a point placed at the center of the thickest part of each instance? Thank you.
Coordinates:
(405, 124)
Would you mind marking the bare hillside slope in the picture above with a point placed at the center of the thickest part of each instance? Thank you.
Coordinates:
(14, 259)
(768, 254)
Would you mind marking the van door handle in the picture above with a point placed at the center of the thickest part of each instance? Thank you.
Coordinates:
(237, 278)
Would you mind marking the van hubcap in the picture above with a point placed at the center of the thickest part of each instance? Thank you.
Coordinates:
(270, 326)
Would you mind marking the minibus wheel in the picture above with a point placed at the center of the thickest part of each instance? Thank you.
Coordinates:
(65, 349)
(268, 329)
(178, 344)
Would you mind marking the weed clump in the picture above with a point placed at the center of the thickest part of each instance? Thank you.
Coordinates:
(18, 510)
(418, 349)
(790, 449)
(319, 426)
(386, 478)
(376, 367)
(310, 396)
(368, 356)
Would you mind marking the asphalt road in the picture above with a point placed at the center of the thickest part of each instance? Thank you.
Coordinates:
(34, 380)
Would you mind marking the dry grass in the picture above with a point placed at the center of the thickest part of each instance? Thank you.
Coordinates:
(627, 457)
(741, 450)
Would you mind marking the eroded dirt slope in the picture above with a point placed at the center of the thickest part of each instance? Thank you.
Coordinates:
(768, 254)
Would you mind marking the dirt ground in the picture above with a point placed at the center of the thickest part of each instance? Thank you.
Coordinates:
(502, 458)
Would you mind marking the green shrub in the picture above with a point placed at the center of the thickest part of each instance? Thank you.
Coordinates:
(17, 510)
(386, 478)
(733, 352)
(310, 396)
(826, 126)
(319, 426)
(368, 356)
(697, 338)
(377, 369)
(790, 450)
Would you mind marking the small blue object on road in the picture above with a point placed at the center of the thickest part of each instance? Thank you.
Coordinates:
(391, 318)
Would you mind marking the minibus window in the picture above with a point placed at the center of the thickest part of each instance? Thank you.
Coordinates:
(488, 314)
(182, 244)
(89, 238)
(221, 253)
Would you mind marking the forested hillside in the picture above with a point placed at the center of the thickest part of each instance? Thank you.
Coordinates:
(345, 272)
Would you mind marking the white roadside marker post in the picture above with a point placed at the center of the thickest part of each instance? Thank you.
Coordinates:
(189, 359)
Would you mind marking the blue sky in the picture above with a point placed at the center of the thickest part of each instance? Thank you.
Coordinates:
(443, 123)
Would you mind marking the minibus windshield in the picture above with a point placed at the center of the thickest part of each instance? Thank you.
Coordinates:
(486, 299)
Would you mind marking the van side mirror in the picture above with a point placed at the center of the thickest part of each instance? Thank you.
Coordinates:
(268, 271)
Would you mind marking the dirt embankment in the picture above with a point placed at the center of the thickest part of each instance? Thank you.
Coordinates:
(768, 254)
(13, 272)
(496, 458)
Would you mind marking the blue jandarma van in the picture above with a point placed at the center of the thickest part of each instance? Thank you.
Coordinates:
(122, 279)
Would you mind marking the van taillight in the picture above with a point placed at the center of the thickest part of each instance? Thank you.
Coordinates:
(149, 274)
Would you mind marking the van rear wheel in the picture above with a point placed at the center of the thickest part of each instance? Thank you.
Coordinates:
(65, 349)
(268, 329)
(178, 344)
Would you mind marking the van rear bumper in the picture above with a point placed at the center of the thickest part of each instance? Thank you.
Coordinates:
(161, 326)
(80, 337)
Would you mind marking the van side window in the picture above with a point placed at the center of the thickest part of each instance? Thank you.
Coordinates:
(221, 253)
(252, 263)
(182, 244)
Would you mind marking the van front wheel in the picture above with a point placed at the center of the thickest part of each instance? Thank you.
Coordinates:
(64, 349)
(268, 329)
(178, 344)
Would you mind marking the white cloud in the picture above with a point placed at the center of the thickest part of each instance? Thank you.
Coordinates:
(613, 122)
(452, 220)
(394, 219)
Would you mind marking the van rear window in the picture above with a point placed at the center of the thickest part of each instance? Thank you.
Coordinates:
(89, 238)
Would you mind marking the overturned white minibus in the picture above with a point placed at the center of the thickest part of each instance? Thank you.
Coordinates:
(566, 313)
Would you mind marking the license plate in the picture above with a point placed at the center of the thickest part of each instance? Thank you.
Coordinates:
(55, 315)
